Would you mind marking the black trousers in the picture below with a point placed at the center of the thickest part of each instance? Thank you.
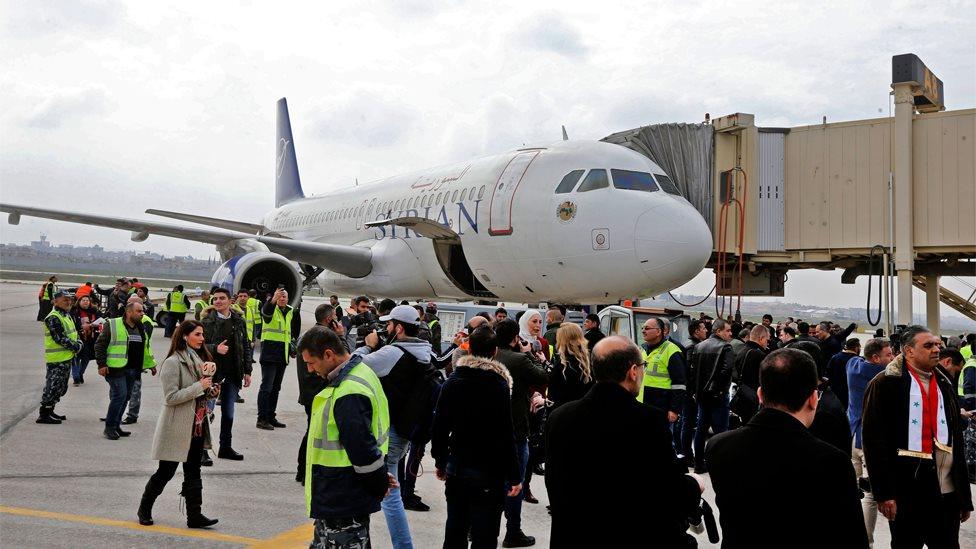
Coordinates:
(924, 515)
(304, 446)
(191, 467)
(475, 506)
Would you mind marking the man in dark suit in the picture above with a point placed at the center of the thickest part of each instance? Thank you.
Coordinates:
(609, 457)
(591, 331)
(776, 485)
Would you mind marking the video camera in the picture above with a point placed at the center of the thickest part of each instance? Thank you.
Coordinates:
(364, 324)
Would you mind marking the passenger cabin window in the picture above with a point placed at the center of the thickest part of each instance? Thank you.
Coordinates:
(633, 181)
(666, 184)
(569, 182)
(596, 179)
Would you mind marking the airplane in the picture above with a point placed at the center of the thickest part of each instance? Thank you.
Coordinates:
(578, 222)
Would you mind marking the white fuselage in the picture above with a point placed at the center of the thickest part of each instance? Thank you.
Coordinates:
(521, 240)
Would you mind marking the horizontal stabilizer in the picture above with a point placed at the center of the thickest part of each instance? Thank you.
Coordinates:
(252, 228)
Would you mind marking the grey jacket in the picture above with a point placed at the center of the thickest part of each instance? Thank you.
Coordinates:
(181, 387)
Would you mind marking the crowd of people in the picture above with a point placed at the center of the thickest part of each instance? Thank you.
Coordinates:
(622, 432)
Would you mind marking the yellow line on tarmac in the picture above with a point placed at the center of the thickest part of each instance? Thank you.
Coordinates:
(296, 537)
(129, 525)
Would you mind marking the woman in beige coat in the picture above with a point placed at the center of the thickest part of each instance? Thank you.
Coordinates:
(182, 431)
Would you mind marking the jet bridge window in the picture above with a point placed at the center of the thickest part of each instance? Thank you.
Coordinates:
(569, 181)
(633, 181)
(596, 179)
(666, 184)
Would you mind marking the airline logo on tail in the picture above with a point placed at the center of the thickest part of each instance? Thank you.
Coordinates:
(282, 147)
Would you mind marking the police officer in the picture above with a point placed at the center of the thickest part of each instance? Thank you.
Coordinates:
(122, 351)
(664, 375)
(277, 335)
(345, 470)
(61, 344)
(176, 306)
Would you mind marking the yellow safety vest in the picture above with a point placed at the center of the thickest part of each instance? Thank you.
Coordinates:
(177, 304)
(656, 367)
(54, 353)
(966, 351)
(118, 346)
(254, 309)
(970, 363)
(324, 448)
(279, 329)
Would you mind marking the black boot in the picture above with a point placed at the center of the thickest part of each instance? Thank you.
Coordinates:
(149, 495)
(44, 416)
(193, 493)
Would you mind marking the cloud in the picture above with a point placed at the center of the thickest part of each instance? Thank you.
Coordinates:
(365, 117)
(56, 110)
(550, 32)
(42, 17)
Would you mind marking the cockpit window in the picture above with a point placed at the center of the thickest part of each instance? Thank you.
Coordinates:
(633, 181)
(666, 184)
(568, 182)
(596, 179)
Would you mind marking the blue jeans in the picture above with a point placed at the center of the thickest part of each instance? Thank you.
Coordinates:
(712, 413)
(396, 516)
(80, 364)
(135, 399)
(513, 505)
(228, 397)
(119, 391)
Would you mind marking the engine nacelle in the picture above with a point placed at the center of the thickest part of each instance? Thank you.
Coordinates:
(260, 271)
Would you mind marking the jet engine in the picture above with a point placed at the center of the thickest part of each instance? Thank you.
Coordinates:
(260, 271)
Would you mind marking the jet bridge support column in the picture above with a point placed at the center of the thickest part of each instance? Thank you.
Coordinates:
(904, 225)
(932, 303)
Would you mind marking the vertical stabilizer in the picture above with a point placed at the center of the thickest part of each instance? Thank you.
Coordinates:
(288, 186)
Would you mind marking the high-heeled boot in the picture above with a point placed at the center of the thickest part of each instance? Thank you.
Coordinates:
(193, 494)
(153, 489)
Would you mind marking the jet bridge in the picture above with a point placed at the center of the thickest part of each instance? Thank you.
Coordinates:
(894, 197)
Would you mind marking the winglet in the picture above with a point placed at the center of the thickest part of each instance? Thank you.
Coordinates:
(288, 186)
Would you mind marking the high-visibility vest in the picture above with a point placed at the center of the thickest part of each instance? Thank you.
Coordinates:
(966, 351)
(54, 353)
(118, 346)
(177, 303)
(656, 367)
(970, 363)
(48, 289)
(279, 329)
(324, 448)
(430, 324)
(254, 308)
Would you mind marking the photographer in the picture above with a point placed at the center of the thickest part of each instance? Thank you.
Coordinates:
(408, 379)
(365, 321)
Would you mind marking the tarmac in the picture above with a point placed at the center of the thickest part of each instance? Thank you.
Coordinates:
(67, 486)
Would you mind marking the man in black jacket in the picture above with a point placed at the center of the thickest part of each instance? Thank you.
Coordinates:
(913, 444)
(776, 485)
(610, 457)
(831, 344)
(713, 367)
(591, 331)
(526, 373)
(226, 338)
(747, 372)
(473, 444)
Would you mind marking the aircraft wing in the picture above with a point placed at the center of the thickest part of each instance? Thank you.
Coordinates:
(352, 261)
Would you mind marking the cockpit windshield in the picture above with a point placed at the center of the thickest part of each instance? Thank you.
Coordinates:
(666, 184)
(633, 181)
(569, 181)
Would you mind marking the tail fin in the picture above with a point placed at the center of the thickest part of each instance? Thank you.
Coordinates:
(288, 186)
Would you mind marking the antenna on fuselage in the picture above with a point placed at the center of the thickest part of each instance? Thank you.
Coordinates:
(357, 181)
(565, 135)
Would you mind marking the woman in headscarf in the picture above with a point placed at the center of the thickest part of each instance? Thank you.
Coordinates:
(530, 331)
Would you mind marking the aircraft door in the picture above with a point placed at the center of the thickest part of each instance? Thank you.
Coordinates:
(503, 194)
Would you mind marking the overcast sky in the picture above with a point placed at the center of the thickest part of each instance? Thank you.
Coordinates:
(115, 107)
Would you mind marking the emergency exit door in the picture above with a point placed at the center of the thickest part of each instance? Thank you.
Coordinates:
(503, 193)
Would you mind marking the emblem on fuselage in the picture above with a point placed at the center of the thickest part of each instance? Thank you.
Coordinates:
(566, 211)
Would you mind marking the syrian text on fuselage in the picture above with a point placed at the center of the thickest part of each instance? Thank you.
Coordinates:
(463, 219)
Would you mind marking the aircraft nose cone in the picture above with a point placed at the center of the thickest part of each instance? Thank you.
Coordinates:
(672, 243)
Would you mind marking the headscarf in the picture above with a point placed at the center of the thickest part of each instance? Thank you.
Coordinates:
(524, 332)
